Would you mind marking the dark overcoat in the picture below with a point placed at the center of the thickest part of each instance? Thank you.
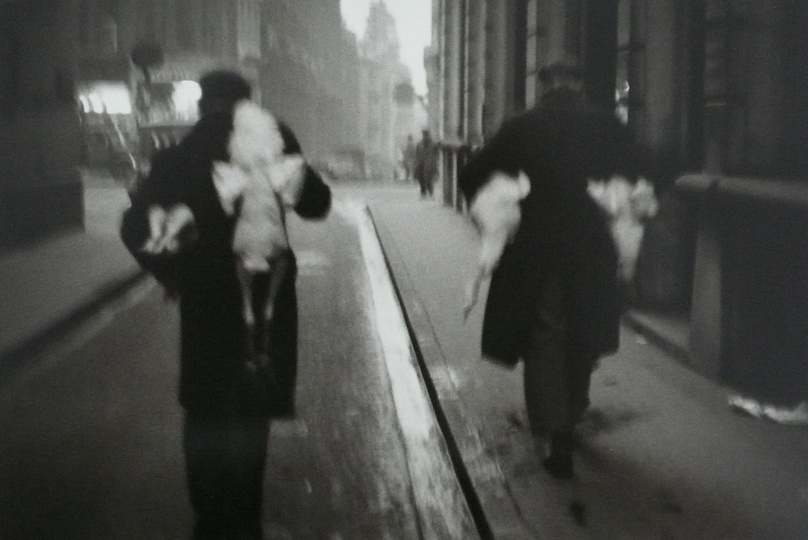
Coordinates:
(213, 378)
(426, 161)
(559, 145)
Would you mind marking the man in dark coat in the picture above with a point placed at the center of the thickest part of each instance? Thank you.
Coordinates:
(426, 163)
(227, 406)
(553, 299)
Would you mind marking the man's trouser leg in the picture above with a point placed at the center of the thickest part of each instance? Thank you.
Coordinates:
(557, 374)
(225, 462)
(545, 363)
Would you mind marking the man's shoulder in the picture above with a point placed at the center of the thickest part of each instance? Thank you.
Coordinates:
(207, 138)
(165, 160)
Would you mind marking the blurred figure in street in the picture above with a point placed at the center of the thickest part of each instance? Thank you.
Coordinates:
(228, 406)
(426, 163)
(408, 158)
(554, 299)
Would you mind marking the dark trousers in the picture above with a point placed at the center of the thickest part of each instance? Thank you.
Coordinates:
(426, 185)
(556, 375)
(225, 460)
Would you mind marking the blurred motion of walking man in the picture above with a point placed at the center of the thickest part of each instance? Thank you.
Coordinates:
(553, 300)
(426, 163)
(227, 405)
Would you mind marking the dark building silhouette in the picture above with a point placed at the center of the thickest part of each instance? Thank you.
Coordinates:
(40, 187)
(70, 94)
(716, 90)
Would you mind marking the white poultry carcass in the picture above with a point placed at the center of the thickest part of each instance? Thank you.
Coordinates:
(495, 211)
(627, 207)
(255, 186)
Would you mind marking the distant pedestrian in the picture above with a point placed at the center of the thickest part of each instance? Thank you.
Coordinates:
(408, 158)
(227, 401)
(426, 163)
(553, 300)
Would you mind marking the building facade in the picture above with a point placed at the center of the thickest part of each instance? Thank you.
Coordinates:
(130, 109)
(379, 75)
(715, 89)
(310, 76)
(301, 61)
(69, 63)
(389, 109)
(40, 187)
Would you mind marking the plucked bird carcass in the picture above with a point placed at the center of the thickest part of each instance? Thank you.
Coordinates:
(496, 213)
(627, 206)
(255, 186)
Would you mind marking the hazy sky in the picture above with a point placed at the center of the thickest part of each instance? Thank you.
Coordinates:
(414, 25)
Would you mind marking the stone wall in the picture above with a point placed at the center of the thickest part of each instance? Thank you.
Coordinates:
(40, 186)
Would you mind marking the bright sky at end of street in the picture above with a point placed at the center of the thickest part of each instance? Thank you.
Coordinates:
(414, 26)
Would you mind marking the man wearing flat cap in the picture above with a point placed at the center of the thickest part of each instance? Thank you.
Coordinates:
(227, 409)
(553, 300)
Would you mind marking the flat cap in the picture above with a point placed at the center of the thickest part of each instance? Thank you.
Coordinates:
(223, 84)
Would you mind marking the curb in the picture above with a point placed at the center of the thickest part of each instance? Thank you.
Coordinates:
(490, 513)
(658, 338)
(13, 357)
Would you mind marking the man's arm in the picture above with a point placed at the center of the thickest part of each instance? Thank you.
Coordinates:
(157, 190)
(500, 153)
(314, 200)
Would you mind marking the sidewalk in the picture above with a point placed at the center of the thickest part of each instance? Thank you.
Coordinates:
(661, 456)
(49, 286)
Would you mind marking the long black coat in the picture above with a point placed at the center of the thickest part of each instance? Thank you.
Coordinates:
(559, 145)
(213, 378)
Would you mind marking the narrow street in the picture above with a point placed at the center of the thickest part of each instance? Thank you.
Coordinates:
(91, 430)
(672, 131)
(91, 425)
